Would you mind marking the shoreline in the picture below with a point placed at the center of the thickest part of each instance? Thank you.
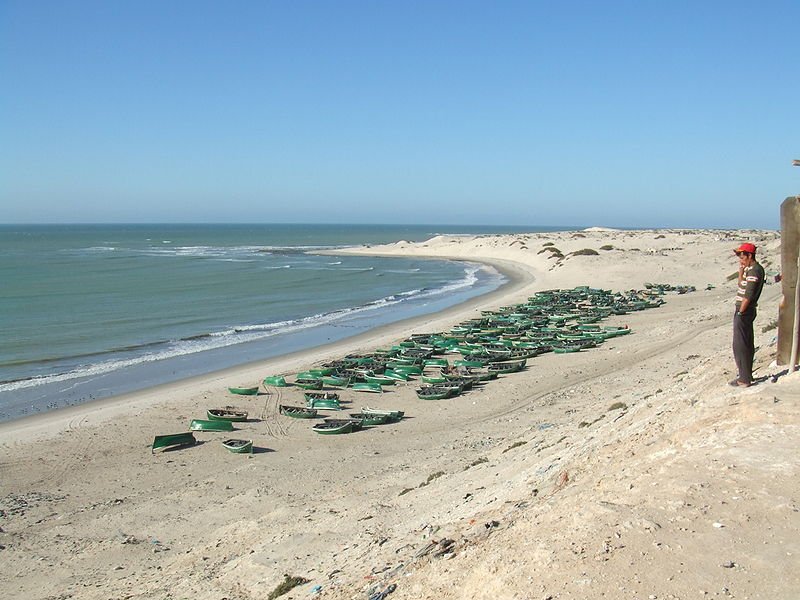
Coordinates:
(666, 480)
(53, 421)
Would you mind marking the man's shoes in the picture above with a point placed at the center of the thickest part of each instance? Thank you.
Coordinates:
(737, 383)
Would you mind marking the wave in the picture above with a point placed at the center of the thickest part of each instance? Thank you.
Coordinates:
(238, 334)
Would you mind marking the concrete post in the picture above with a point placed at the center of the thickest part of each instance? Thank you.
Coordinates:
(790, 245)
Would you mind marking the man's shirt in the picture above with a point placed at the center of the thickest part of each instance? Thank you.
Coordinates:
(750, 285)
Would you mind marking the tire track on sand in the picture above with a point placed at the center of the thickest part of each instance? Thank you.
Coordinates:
(270, 415)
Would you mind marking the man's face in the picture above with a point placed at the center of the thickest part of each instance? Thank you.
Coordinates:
(745, 259)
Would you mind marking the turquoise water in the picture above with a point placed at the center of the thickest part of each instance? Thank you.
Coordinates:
(82, 303)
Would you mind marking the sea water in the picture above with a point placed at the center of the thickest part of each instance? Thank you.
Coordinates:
(91, 311)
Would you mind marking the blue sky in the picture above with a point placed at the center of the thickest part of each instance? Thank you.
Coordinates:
(634, 113)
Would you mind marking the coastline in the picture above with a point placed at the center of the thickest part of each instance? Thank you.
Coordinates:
(573, 478)
(95, 411)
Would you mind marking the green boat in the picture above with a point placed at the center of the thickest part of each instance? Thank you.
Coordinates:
(368, 387)
(469, 363)
(435, 362)
(321, 371)
(239, 446)
(336, 381)
(380, 379)
(324, 400)
(394, 415)
(395, 375)
(309, 383)
(226, 414)
(616, 330)
(435, 392)
(210, 425)
(565, 349)
(508, 366)
(185, 438)
(298, 412)
(483, 374)
(407, 369)
(373, 419)
(244, 391)
(335, 427)
(275, 381)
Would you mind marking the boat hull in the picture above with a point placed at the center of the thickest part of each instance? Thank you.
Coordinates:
(243, 391)
(239, 446)
(174, 440)
(222, 414)
(210, 425)
(298, 412)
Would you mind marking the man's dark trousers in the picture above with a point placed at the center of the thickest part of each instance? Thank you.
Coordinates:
(743, 344)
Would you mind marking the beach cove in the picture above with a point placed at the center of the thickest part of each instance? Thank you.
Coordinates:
(629, 471)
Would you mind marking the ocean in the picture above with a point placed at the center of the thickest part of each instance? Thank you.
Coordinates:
(92, 311)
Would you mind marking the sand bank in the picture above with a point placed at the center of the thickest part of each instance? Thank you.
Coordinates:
(632, 470)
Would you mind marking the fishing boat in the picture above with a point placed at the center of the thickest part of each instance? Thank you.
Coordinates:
(434, 378)
(368, 387)
(395, 375)
(210, 425)
(371, 419)
(244, 391)
(320, 371)
(432, 392)
(380, 379)
(334, 427)
(507, 366)
(394, 415)
(624, 330)
(466, 381)
(275, 381)
(298, 412)
(309, 383)
(239, 446)
(336, 380)
(407, 369)
(324, 400)
(469, 363)
(226, 414)
(435, 362)
(357, 423)
(560, 349)
(185, 438)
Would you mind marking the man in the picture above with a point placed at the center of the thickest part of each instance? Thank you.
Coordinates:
(751, 280)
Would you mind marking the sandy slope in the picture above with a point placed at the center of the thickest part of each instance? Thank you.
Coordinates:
(630, 471)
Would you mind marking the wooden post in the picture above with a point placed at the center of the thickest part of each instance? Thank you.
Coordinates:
(796, 329)
(787, 313)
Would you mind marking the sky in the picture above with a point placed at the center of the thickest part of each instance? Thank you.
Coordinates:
(620, 113)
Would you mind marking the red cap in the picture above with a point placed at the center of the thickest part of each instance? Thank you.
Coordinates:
(749, 248)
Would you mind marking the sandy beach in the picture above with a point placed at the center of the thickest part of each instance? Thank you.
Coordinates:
(629, 471)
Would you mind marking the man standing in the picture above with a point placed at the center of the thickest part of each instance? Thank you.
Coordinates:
(751, 280)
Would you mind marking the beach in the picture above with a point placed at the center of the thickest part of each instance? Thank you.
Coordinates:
(628, 471)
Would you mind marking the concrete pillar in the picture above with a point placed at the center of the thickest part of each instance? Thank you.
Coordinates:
(790, 244)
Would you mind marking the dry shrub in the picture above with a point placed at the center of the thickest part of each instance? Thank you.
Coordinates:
(286, 586)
